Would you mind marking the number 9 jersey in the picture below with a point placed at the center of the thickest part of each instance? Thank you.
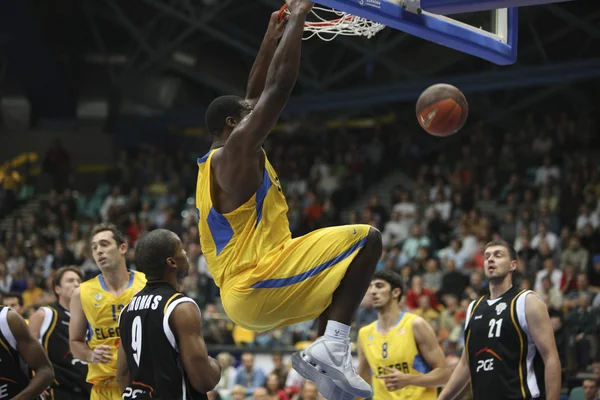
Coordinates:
(152, 353)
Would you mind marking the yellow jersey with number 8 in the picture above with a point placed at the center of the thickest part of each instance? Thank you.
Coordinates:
(102, 309)
(396, 349)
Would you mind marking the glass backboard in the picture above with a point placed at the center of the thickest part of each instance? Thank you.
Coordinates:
(488, 34)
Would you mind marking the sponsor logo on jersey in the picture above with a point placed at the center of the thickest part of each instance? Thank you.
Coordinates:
(98, 297)
(500, 307)
(485, 365)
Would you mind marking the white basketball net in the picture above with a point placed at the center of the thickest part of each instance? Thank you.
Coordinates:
(338, 23)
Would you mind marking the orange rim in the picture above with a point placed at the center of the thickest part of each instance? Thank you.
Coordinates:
(333, 22)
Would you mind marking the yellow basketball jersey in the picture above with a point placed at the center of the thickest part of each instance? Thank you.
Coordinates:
(396, 349)
(102, 311)
(235, 241)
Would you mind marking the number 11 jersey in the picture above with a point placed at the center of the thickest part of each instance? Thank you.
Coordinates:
(152, 353)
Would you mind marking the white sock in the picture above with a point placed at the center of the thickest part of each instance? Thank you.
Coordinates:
(336, 330)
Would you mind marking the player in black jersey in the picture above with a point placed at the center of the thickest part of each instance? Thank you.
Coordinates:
(50, 324)
(19, 351)
(162, 354)
(510, 351)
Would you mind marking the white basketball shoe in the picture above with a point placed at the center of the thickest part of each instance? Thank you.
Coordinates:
(328, 361)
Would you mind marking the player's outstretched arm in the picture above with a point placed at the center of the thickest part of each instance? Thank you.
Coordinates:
(249, 135)
(35, 323)
(458, 380)
(123, 377)
(204, 372)
(540, 329)
(258, 73)
(34, 356)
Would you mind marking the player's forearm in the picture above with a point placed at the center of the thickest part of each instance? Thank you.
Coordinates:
(552, 377)
(457, 382)
(258, 73)
(81, 350)
(39, 383)
(283, 71)
(433, 379)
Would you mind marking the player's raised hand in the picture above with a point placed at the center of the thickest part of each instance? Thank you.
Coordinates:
(277, 24)
(101, 355)
(302, 6)
(394, 379)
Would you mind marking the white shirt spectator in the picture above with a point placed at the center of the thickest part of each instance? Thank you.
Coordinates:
(555, 278)
(406, 209)
(591, 219)
(544, 173)
(549, 237)
(396, 229)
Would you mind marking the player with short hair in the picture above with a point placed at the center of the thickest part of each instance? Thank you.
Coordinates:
(50, 324)
(399, 350)
(510, 352)
(15, 301)
(267, 279)
(162, 354)
(20, 351)
(97, 304)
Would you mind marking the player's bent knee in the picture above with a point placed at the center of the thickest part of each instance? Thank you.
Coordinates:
(374, 242)
(374, 236)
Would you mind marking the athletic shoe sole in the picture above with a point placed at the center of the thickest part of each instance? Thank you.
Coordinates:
(327, 379)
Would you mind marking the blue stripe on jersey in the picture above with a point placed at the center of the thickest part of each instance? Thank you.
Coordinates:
(203, 158)
(220, 229)
(397, 322)
(261, 194)
(282, 282)
(103, 284)
(420, 365)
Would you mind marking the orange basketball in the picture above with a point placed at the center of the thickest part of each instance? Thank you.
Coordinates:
(442, 110)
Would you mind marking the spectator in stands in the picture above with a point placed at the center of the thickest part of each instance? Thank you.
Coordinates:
(248, 375)
(432, 278)
(279, 369)
(583, 324)
(587, 391)
(228, 373)
(273, 386)
(551, 296)
(416, 290)
(477, 286)
(583, 289)
(309, 392)
(260, 393)
(544, 235)
(550, 271)
(415, 241)
(5, 279)
(238, 392)
(453, 281)
(575, 255)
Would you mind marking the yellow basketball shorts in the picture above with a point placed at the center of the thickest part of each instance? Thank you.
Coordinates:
(294, 282)
(107, 390)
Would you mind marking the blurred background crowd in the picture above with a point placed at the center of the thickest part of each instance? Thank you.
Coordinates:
(537, 187)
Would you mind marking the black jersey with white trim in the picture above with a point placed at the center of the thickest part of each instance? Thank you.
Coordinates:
(13, 371)
(503, 359)
(153, 358)
(70, 372)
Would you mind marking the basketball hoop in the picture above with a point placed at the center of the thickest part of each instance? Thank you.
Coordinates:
(341, 24)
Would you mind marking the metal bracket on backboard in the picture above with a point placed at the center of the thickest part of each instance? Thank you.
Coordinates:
(413, 6)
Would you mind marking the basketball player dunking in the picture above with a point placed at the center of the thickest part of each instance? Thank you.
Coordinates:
(267, 279)
(97, 304)
(162, 354)
(50, 324)
(510, 351)
(399, 350)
